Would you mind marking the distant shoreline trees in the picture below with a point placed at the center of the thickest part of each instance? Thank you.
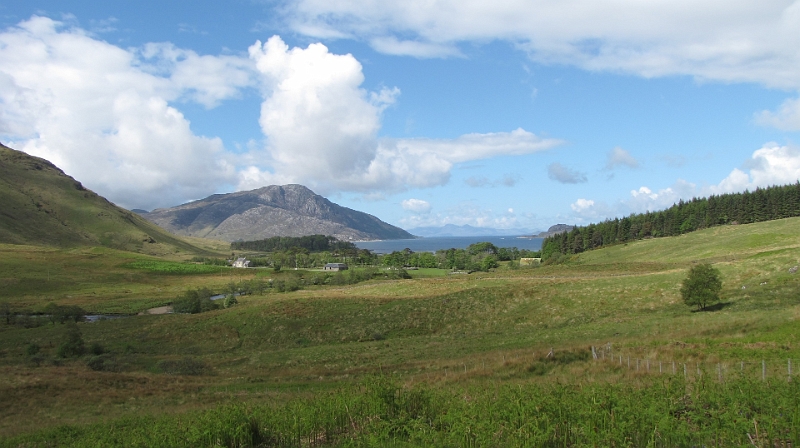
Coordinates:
(310, 243)
(763, 204)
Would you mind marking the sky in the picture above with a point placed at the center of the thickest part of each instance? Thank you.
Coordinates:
(509, 114)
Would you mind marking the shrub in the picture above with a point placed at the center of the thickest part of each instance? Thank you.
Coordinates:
(96, 349)
(73, 344)
(194, 301)
(230, 300)
(32, 349)
(103, 363)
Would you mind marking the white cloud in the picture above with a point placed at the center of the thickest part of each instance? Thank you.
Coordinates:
(416, 205)
(391, 45)
(644, 199)
(620, 157)
(321, 128)
(726, 40)
(560, 173)
(102, 113)
(770, 165)
(205, 79)
(109, 116)
(787, 117)
(581, 205)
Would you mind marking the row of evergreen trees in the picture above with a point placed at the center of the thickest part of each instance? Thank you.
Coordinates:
(763, 204)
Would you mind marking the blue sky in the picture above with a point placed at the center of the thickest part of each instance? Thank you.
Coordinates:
(509, 114)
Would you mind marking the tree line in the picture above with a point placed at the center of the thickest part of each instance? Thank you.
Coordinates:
(308, 243)
(763, 204)
(476, 257)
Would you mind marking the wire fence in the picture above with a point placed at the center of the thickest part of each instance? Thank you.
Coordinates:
(722, 370)
(537, 363)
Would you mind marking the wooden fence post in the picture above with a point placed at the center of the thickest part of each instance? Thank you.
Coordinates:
(763, 370)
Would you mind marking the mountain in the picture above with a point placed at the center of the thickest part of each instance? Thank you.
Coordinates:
(288, 210)
(40, 205)
(465, 230)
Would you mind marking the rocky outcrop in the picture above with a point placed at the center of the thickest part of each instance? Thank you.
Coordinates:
(555, 230)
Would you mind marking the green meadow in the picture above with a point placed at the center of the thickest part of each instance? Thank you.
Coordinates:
(487, 359)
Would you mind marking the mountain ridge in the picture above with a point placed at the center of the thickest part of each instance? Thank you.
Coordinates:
(275, 210)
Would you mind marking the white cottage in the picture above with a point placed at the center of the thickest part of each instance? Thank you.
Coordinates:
(241, 262)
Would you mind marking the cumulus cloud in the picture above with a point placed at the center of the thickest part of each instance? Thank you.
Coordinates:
(416, 205)
(619, 157)
(581, 205)
(646, 200)
(321, 128)
(110, 117)
(102, 113)
(786, 118)
(770, 165)
(727, 40)
(560, 173)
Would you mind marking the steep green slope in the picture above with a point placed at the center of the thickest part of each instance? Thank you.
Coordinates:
(40, 205)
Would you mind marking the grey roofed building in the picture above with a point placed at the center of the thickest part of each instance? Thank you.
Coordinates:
(335, 267)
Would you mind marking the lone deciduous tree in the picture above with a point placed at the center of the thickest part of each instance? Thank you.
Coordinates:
(702, 286)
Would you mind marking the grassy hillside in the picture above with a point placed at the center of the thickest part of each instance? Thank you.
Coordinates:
(459, 353)
(40, 205)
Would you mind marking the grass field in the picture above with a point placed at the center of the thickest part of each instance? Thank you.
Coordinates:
(483, 335)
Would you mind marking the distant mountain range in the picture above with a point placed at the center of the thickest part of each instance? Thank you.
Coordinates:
(465, 230)
(40, 205)
(288, 210)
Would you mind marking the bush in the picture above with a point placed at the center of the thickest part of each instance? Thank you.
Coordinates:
(96, 349)
(32, 349)
(702, 286)
(230, 300)
(73, 344)
(103, 363)
(194, 301)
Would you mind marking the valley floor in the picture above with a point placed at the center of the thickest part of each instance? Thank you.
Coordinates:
(443, 341)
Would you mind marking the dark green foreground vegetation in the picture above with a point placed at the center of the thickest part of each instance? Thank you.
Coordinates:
(449, 360)
(668, 413)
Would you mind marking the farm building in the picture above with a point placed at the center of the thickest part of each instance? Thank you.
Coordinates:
(241, 263)
(335, 267)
